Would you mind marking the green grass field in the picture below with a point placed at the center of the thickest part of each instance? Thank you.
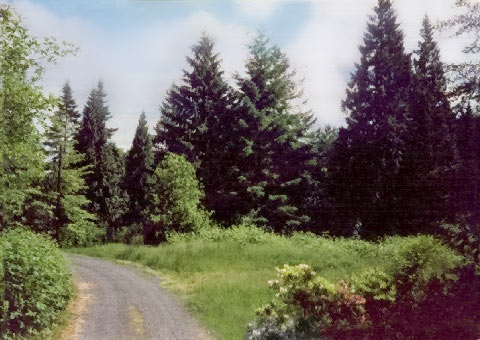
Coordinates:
(224, 281)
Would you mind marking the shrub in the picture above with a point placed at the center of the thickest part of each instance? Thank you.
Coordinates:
(427, 291)
(243, 234)
(308, 305)
(465, 239)
(176, 199)
(37, 284)
(80, 234)
(131, 234)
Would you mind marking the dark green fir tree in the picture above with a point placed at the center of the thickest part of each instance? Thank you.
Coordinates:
(64, 209)
(269, 137)
(430, 156)
(138, 170)
(368, 153)
(104, 160)
(195, 119)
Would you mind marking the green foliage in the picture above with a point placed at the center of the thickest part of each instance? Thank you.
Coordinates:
(68, 221)
(138, 170)
(465, 240)
(104, 160)
(422, 284)
(240, 234)
(464, 75)
(224, 281)
(307, 305)
(367, 155)
(176, 196)
(268, 140)
(22, 108)
(374, 284)
(36, 283)
(429, 160)
(196, 122)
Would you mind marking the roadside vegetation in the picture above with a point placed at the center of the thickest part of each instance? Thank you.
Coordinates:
(35, 284)
(223, 276)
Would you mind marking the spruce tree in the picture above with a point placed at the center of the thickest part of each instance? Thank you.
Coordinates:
(270, 142)
(316, 199)
(138, 169)
(194, 121)
(430, 155)
(105, 161)
(369, 151)
(465, 196)
(72, 224)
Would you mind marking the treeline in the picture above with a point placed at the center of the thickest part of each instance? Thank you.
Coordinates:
(407, 159)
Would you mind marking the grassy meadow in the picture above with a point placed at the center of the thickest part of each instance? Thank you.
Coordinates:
(223, 279)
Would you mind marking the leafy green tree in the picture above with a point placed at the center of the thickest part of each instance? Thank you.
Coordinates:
(22, 108)
(195, 121)
(269, 139)
(104, 160)
(176, 196)
(428, 165)
(138, 170)
(369, 151)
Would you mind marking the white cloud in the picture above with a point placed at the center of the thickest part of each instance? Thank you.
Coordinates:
(137, 69)
(257, 9)
(327, 48)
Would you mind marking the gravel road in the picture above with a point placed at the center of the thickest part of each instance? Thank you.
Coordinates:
(124, 304)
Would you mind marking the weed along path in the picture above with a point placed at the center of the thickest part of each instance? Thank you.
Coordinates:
(123, 304)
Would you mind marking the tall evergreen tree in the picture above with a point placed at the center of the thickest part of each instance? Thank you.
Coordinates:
(430, 155)
(138, 169)
(466, 194)
(194, 121)
(71, 222)
(316, 200)
(104, 159)
(270, 141)
(368, 152)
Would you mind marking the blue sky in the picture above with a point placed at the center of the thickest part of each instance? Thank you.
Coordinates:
(138, 47)
(115, 16)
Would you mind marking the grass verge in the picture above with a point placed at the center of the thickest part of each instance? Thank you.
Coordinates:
(224, 282)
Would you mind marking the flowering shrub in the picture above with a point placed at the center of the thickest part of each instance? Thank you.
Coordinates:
(426, 291)
(308, 305)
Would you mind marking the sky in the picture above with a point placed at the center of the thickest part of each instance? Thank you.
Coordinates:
(138, 47)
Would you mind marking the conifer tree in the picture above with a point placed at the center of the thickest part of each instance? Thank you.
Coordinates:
(138, 169)
(72, 224)
(430, 155)
(194, 121)
(465, 197)
(316, 200)
(368, 152)
(104, 159)
(270, 131)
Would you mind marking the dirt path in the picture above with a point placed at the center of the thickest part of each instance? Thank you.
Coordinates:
(125, 305)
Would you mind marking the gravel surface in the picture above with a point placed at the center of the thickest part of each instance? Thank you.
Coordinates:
(124, 304)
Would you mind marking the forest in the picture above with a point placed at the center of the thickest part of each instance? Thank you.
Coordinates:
(245, 155)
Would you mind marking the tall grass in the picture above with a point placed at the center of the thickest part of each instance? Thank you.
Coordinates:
(223, 275)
